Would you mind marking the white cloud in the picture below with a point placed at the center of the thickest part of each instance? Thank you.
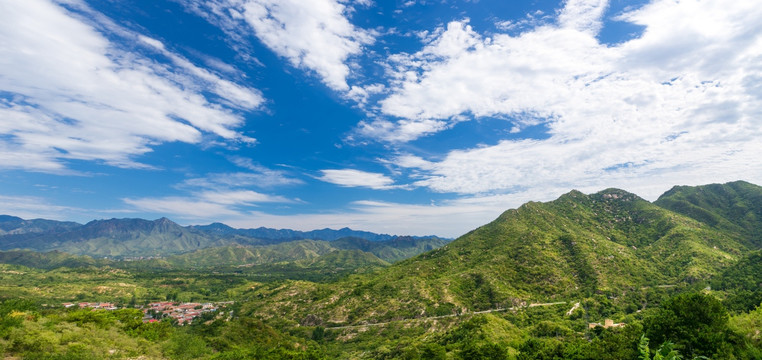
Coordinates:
(464, 73)
(208, 204)
(71, 93)
(583, 15)
(678, 105)
(314, 35)
(402, 131)
(240, 197)
(257, 176)
(357, 178)
(34, 207)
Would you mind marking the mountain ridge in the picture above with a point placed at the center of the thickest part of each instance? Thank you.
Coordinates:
(606, 243)
(135, 237)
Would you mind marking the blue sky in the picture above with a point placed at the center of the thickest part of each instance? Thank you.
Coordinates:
(403, 117)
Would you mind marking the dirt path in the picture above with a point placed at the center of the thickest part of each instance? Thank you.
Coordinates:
(445, 316)
(575, 307)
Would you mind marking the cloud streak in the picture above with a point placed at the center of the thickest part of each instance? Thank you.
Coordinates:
(219, 195)
(76, 90)
(205, 204)
(358, 178)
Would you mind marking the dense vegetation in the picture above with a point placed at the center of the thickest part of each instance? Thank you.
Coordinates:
(526, 286)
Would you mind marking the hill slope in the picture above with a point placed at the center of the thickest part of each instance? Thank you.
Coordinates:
(734, 207)
(48, 260)
(575, 246)
(385, 251)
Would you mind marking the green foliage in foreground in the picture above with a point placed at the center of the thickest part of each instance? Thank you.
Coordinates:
(696, 323)
(86, 334)
(665, 352)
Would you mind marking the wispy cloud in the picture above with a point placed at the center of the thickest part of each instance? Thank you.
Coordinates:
(256, 176)
(531, 20)
(313, 35)
(358, 178)
(33, 207)
(76, 89)
(206, 204)
(220, 195)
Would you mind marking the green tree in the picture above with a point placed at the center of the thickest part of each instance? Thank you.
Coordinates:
(318, 333)
(488, 351)
(434, 351)
(696, 323)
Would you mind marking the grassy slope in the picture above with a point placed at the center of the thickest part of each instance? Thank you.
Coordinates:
(386, 251)
(344, 259)
(560, 250)
(48, 260)
(250, 255)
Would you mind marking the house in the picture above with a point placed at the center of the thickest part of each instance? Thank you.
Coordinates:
(607, 323)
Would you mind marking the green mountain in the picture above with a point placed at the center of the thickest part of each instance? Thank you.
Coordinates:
(48, 260)
(115, 238)
(387, 251)
(344, 259)
(392, 250)
(576, 246)
(133, 237)
(734, 207)
(252, 255)
(742, 282)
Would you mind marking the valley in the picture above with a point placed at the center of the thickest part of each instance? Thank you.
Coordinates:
(532, 284)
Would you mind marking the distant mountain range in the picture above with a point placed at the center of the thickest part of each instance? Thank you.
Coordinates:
(11, 225)
(287, 234)
(120, 238)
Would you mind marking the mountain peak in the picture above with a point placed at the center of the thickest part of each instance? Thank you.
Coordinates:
(614, 195)
(4, 218)
(164, 221)
(574, 195)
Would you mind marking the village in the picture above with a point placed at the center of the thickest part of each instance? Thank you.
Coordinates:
(183, 313)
